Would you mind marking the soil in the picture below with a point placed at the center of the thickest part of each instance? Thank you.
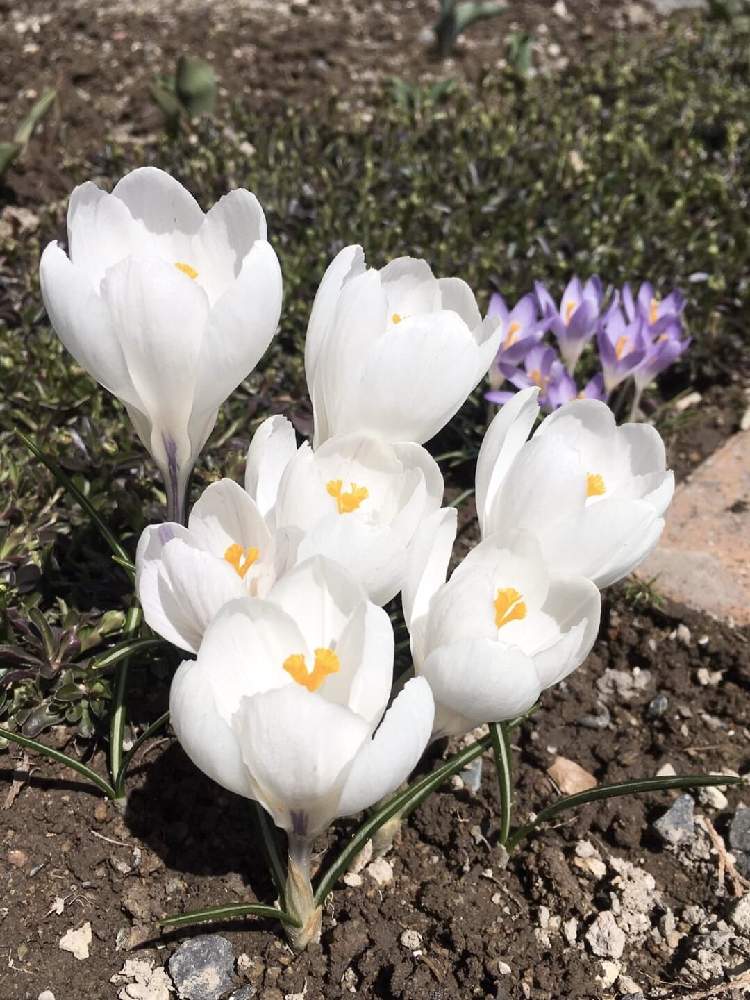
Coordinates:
(184, 843)
(266, 52)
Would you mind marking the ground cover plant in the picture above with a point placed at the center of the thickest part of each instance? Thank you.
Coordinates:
(123, 485)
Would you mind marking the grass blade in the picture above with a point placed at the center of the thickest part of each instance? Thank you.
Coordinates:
(119, 715)
(500, 733)
(122, 651)
(270, 848)
(64, 480)
(138, 743)
(60, 758)
(635, 787)
(227, 913)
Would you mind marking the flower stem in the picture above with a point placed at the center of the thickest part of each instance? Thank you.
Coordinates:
(299, 896)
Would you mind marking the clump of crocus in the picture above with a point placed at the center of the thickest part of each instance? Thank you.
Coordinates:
(636, 336)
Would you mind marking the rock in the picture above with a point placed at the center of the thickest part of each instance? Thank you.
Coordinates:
(569, 776)
(609, 974)
(77, 941)
(472, 776)
(628, 987)
(701, 559)
(246, 993)
(666, 771)
(739, 839)
(17, 858)
(141, 981)
(667, 7)
(353, 880)
(740, 915)
(411, 939)
(605, 938)
(658, 706)
(677, 825)
(683, 635)
(201, 968)
(623, 684)
(381, 871)
(46, 995)
(570, 930)
(713, 797)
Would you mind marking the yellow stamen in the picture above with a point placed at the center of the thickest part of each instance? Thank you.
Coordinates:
(622, 343)
(653, 311)
(241, 559)
(595, 485)
(508, 607)
(346, 502)
(396, 318)
(186, 269)
(512, 334)
(326, 663)
(537, 378)
(570, 308)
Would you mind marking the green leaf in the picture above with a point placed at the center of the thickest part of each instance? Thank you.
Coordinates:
(147, 733)
(636, 787)
(271, 848)
(119, 715)
(500, 734)
(104, 663)
(35, 115)
(60, 758)
(401, 803)
(8, 152)
(228, 913)
(67, 484)
(195, 85)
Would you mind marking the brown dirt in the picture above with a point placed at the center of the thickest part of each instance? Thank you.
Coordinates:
(184, 843)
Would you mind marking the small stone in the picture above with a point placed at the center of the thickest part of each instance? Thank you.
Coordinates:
(609, 974)
(504, 969)
(411, 939)
(201, 968)
(381, 871)
(77, 941)
(666, 771)
(245, 993)
(362, 859)
(560, 10)
(740, 915)
(677, 825)
(658, 706)
(713, 797)
(17, 858)
(709, 678)
(683, 634)
(141, 981)
(101, 811)
(472, 776)
(692, 399)
(605, 938)
(353, 880)
(570, 930)
(46, 995)
(739, 839)
(627, 987)
(569, 776)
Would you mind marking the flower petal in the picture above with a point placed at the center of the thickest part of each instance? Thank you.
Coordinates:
(427, 565)
(159, 202)
(225, 515)
(365, 652)
(273, 446)
(575, 604)
(348, 262)
(100, 231)
(226, 237)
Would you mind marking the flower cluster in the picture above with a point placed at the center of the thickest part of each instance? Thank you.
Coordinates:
(275, 589)
(636, 337)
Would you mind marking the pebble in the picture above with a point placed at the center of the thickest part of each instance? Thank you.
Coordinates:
(677, 825)
(201, 968)
(658, 706)
(46, 995)
(740, 915)
(472, 776)
(683, 634)
(381, 871)
(411, 939)
(17, 858)
(666, 771)
(713, 797)
(739, 839)
(609, 974)
(246, 993)
(77, 941)
(605, 938)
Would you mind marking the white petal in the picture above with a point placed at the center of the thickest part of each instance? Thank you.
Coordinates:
(427, 566)
(590, 415)
(457, 295)
(159, 317)
(225, 515)
(365, 652)
(414, 456)
(348, 262)
(298, 748)
(240, 327)
(388, 759)
(575, 604)
(159, 201)
(273, 446)
(204, 735)
(502, 442)
(82, 323)
(226, 237)
(100, 231)
(661, 496)
(481, 681)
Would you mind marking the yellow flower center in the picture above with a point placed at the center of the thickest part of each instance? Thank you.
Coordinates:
(348, 501)
(595, 485)
(512, 334)
(241, 559)
(326, 663)
(622, 343)
(509, 606)
(396, 318)
(653, 311)
(186, 269)
(570, 308)
(537, 378)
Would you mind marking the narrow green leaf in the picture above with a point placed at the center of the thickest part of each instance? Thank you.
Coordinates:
(119, 715)
(48, 639)
(227, 913)
(61, 758)
(271, 848)
(636, 787)
(35, 115)
(104, 663)
(8, 153)
(401, 803)
(500, 733)
(147, 733)
(67, 483)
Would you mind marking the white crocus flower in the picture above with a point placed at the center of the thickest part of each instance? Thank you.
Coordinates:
(393, 352)
(184, 576)
(168, 308)
(284, 705)
(593, 493)
(499, 632)
(356, 499)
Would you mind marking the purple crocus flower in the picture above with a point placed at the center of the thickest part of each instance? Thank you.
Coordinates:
(662, 350)
(522, 329)
(541, 367)
(563, 389)
(658, 313)
(576, 319)
(622, 345)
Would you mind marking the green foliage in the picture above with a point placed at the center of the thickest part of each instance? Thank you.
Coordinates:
(519, 53)
(458, 15)
(10, 151)
(730, 11)
(191, 92)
